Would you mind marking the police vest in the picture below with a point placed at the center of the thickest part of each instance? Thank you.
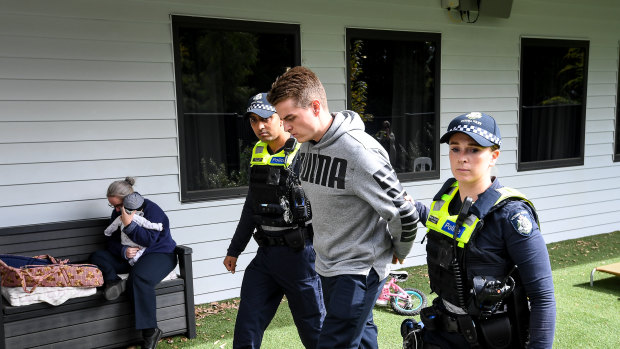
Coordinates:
(270, 183)
(440, 247)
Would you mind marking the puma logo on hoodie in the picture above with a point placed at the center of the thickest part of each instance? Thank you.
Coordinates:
(322, 170)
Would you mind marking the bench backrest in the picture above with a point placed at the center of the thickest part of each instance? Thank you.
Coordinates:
(74, 240)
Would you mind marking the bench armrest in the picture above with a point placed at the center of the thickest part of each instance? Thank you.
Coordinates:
(181, 250)
(184, 255)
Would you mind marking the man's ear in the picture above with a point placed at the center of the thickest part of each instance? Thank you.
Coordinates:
(316, 107)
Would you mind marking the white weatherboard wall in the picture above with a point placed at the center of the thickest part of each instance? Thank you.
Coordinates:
(87, 96)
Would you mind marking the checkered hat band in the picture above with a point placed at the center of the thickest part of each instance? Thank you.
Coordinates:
(477, 130)
(262, 106)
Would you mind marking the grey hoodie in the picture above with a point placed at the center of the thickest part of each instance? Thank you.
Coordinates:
(359, 215)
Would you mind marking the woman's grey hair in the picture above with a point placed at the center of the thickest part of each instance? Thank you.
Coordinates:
(121, 188)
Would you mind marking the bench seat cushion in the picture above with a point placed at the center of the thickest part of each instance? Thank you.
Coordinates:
(55, 295)
(51, 295)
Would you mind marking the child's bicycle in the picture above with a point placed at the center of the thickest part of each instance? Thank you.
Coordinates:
(404, 301)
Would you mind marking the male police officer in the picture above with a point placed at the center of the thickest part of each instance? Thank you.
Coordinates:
(276, 207)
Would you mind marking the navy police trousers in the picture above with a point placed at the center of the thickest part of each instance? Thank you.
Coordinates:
(278, 271)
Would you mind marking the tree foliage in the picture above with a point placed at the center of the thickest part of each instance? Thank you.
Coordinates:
(359, 88)
(570, 77)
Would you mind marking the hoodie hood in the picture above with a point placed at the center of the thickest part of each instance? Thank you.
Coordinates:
(343, 122)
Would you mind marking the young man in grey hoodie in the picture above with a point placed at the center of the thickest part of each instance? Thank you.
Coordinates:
(361, 218)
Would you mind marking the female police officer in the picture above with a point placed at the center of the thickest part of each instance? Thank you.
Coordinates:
(284, 264)
(485, 276)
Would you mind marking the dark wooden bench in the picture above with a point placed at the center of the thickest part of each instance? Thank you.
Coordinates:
(87, 322)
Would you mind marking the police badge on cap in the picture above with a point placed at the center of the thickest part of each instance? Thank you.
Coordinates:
(258, 105)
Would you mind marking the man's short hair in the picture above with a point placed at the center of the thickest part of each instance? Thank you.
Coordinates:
(301, 85)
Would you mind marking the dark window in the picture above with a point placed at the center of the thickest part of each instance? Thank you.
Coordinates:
(617, 133)
(393, 83)
(219, 65)
(552, 110)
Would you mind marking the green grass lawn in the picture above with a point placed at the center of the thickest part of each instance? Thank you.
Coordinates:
(587, 317)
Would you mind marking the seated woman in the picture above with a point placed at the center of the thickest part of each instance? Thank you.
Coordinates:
(157, 260)
(133, 202)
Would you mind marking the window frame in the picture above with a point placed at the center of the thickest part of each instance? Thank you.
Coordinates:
(557, 163)
(220, 24)
(395, 35)
(616, 157)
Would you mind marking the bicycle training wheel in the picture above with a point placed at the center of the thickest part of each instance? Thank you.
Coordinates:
(411, 306)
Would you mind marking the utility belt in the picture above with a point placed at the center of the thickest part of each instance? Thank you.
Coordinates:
(294, 238)
(493, 332)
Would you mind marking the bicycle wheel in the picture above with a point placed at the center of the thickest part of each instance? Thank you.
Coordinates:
(411, 306)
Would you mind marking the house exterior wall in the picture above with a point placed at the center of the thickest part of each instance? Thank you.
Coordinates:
(87, 96)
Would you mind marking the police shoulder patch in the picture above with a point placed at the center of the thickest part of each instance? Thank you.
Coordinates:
(522, 222)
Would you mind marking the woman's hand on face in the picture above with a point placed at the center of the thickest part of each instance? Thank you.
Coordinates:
(126, 218)
(130, 252)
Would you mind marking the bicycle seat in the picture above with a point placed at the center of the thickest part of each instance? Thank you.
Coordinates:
(400, 275)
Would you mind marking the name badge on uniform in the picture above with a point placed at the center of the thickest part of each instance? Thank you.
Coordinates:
(522, 223)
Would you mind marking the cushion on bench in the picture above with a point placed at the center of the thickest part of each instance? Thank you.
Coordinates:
(51, 295)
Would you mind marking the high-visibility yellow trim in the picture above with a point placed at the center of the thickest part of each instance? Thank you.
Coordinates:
(440, 220)
(261, 156)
